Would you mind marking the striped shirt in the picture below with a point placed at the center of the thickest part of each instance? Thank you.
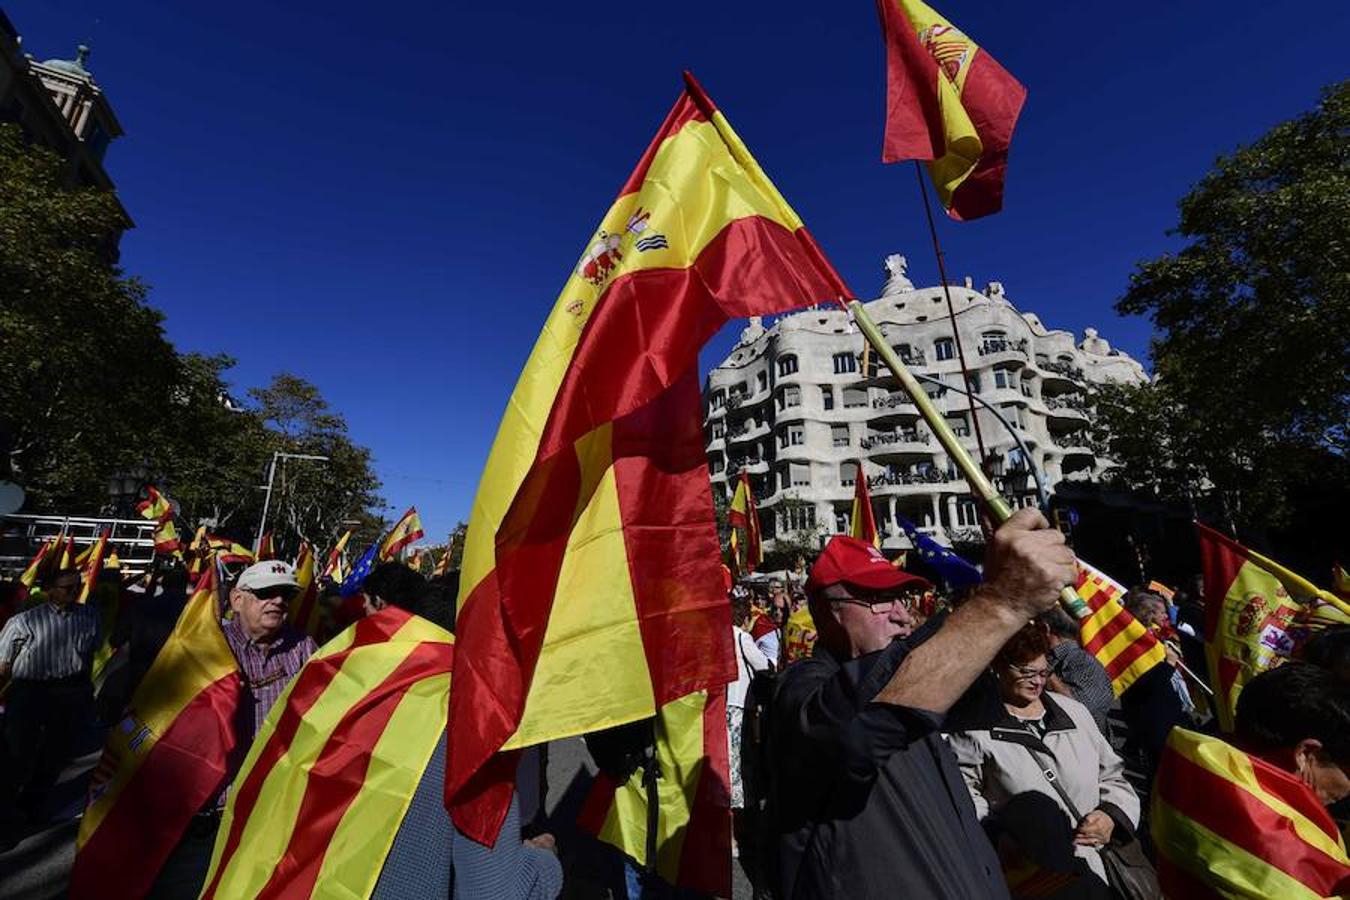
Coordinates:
(265, 670)
(1086, 678)
(49, 641)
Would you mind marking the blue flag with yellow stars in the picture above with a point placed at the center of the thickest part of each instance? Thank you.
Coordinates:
(950, 567)
(352, 583)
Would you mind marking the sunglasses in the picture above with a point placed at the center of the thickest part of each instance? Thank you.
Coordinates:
(882, 604)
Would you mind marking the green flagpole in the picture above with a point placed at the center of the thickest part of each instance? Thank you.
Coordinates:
(937, 423)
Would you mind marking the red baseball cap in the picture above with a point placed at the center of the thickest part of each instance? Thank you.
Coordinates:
(858, 564)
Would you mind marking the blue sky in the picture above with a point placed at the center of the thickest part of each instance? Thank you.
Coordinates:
(385, 198)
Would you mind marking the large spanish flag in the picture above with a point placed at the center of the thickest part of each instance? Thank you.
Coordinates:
(948, 102)
(1254, 609)
(319, 799)
(693, 833)
(1227, 824)
(1126, 648)
(164, 760)
(404, 532)
(743, 515)
(863, 522)
(591, 592)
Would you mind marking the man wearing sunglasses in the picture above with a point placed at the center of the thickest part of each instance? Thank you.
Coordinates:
(867, 796)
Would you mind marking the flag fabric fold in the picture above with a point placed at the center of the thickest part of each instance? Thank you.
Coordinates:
(1256, 612)
(164, 760)
(93, 564)
(743, 516)
(693, 841)
(332, 569)
(591, 594)
(863, 522)
(404, 532)
(305, 607)
(32, 573)
(1119, 642)
(950, 103)
(949, 566)
(336, 764)
(1227, 824)
(155, 506)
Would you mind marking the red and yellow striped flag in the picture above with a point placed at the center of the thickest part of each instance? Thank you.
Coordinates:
(164, 760)
(93, 565)
(1254, 608)
(863, 523)
(336, 764)
(591, 594)
(305, 607)
(67, 560)
(333, 568)
(448, 554)
(950, 102)
(693, 841)
(228, 551)
(743, 515)
(166, 538)
(1227, 824)
(155, 506)
(1126, 648)
(404, 532)
(45, 556)
(265, 550)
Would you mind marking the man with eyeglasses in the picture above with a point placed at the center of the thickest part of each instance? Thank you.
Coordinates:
(46, 651)
(867, 797)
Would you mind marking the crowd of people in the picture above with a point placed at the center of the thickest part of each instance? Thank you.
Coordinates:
(885, 739)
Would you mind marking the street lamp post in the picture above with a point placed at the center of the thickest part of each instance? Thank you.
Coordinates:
(271, 475)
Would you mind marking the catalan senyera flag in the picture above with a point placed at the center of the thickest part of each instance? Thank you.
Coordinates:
(265, 548)
(743, 515)
(693, 840)
(164, 760)
(404, 532)
(950, 103)
(332, 569)
(93, 565)
(45, 556)
(155, 506)
(1119, 642)
(1228, 824)
(863, 522)
(1253, 610)
(591, 593)
(328, 780)
(305, 607)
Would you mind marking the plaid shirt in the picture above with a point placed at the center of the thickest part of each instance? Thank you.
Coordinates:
(1086, 677)
(265, 670)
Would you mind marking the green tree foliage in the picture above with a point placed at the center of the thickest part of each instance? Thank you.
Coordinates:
(1252, 358)
(90, 387)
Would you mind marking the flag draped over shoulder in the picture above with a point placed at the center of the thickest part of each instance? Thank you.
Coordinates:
(336, 764)
(1119, 642)
(950, 103)
(863, 522)
(404, 532)
(1227, 824)
(1255, 609)
(164, 760)
(693, 841)
(743, 515)
(590, 593)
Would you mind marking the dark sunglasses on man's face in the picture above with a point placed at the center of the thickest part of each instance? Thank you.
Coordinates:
(283, 594)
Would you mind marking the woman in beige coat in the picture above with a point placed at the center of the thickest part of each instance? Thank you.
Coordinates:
(1042, 735)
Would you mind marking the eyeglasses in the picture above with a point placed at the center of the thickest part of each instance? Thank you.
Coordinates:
(277, 593)
(1022, 673)
(879, 605)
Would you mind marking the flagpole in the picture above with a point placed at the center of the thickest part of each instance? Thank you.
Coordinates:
(979, 483)
(951, 311)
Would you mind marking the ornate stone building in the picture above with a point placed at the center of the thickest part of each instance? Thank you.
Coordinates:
(792, 406)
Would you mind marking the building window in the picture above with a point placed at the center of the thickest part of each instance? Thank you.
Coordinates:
(796, 435)
(854, 397)
(799, 475)
(1002, 378)
(787, 365)
(715, 464)
(840, 435)
(944, 348)
(798, 517)
(761, 381)
(973, 383)
(845, 363)
(959, 426)
(791, 396)
(966, 515)
(848, 473)
(719, 429)
(827, 398)
(719, 399)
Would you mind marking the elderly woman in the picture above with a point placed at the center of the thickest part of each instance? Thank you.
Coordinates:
(1045, 744)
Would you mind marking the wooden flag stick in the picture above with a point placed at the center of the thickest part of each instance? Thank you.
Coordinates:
(979, 483)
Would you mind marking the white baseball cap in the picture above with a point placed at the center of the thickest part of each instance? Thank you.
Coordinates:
(269, 573)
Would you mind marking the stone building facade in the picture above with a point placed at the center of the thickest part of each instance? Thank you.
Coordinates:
(792, 406)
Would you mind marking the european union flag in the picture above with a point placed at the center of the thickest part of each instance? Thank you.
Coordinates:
(952, 568)
(357, 577)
